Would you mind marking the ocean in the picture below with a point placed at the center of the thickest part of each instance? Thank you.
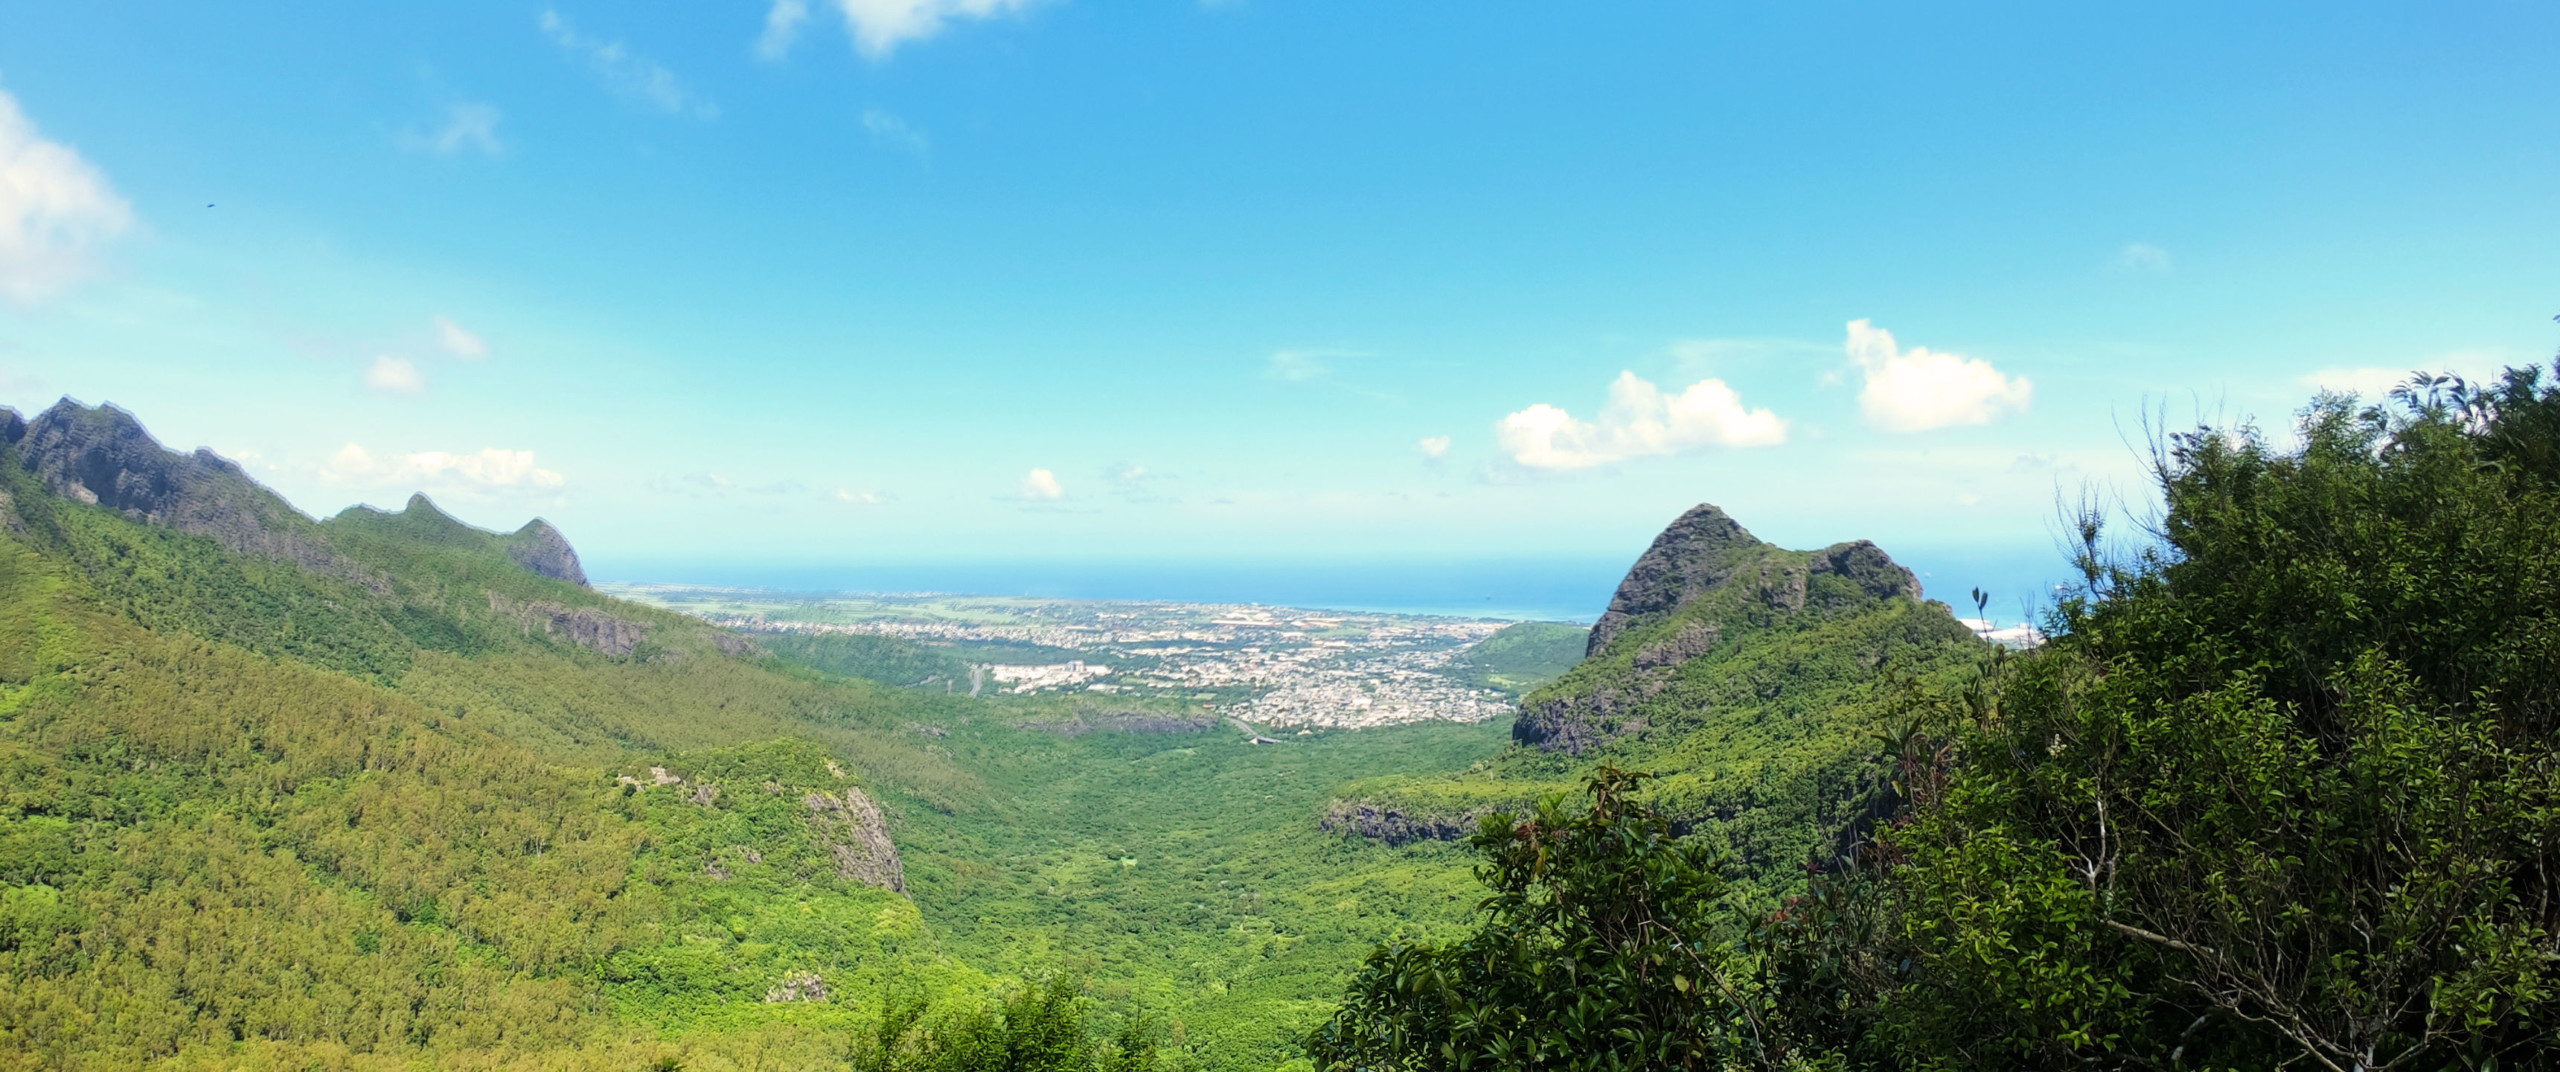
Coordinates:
(1560, 588)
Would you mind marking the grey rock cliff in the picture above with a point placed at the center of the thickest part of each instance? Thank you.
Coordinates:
(1691, 556)
(102, 456)
(1721, 585)
(540, 548)
(852, 830)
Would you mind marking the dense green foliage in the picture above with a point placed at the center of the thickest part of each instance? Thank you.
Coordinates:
(2282, 790)
(1599, 950)
(2284, 787)
(1763, 743)
(1521, 657)
(392, 812)
(886, 659)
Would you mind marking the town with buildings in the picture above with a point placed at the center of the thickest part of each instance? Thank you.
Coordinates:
(1274, 668)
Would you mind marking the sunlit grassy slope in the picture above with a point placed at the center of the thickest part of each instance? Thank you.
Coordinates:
(377, 815)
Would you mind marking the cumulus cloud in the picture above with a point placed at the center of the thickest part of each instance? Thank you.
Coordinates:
(628, 73)
(1041, 484)
(1919, 389)
(468, 127)
(1433, 446)
(891, 130)
(781, 28)
(56, 211)
(880, 26)
(491, 467)
(1638, 420)
(460, 341)
(395, 374)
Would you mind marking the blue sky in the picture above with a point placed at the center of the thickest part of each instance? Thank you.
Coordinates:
(721, 287)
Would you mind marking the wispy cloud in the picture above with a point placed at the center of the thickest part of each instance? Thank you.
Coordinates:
(880, 26)
(395, 375)
(1299, 366)
(781, 29)
(891, 130)
(628, 73)
(860, 498)
(2143, 257)
(57, 211)
(460, 341)
(1041, 485)
(469, 127)
(1433, 447)
(490, 467)
(1638, 420)
(1920, 389)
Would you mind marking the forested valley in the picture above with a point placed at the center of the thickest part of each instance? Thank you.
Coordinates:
(2280, 787)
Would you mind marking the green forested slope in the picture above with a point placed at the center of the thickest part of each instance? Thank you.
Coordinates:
(1755, 682)
(399, 796)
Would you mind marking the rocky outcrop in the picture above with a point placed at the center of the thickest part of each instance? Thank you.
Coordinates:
(1396, 825)
(1706, 583)
(102, 457)
(540, 548)
(586, 627)
(851, 829)
(1579, 722)
(1691, 557)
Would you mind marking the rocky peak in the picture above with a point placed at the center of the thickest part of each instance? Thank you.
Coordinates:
(101, 456)
(540, 548)
(1692, 556)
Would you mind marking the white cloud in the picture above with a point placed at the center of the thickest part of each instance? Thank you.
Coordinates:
(1919, 389)
(395, 374)
(467, 127)
(1434, 446)
(1042, 484)
(491, 467)
(1129, 473)
(781, 28)
(890, 129)
(859, 498)
(460, 341)
(1298, 366)
(1638, 420)
(628, 73)
(2142, 257)
(56, 210)
(880, 26)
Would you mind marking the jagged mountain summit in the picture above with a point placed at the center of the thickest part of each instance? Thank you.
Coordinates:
(1704, 581)
(102, 456)
(1751, 679)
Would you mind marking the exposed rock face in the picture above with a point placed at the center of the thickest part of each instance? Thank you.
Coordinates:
(1396, 826)
(1705, 582)
(851, 828)
(586, 627)
(103, 457)
(1689, 558)
(540, 548)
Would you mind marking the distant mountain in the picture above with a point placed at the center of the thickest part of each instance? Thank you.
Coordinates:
(388, 784)
(1521, 657)
(1752, 679)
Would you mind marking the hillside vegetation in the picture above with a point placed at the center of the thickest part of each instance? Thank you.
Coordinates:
(1752, 681)
(2282, 791)
(387, 789)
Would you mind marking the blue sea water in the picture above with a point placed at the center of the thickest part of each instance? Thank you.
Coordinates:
(1564, 588)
